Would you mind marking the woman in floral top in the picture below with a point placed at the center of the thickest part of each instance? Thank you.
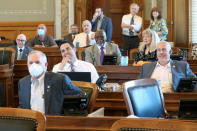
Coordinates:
(158, 24)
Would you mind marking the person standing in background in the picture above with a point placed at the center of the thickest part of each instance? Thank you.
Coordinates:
(158, 24)
(131, 25)
(100, 21)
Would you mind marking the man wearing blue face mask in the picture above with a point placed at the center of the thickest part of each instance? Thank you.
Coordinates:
(42, 39)
(41, 90)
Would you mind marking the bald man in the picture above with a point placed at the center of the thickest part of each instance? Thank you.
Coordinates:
(86, 37)
(166, 70)
(21, 50)
(42, 39)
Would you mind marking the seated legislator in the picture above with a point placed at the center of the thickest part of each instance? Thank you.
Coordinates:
(74, 31)
(42, 39)
(166, 70)
(147, 48)
(86, 38)
(70, 63)
(21, 50)
(41, 90)
(95, 53)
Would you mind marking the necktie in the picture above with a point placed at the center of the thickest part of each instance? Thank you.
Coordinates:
(102, 54)
(87, 40)
(72, 68)
(131, 23)
(20, 54)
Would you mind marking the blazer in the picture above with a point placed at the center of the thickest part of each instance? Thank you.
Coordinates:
(1, 95)
(25, 54)
(179, 69)
(92, 53)
(106, 25)
(55, 87)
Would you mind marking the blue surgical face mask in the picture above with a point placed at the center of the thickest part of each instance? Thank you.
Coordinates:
(41, 32)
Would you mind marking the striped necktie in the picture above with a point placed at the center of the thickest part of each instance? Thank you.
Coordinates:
(102, 54)
(131, 23)
(20, 54)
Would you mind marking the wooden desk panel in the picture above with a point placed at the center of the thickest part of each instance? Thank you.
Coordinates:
(68, 123)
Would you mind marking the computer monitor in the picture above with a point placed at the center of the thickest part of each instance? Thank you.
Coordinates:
(78, 76)
(187, 109)
(109, 60)
(186, 84)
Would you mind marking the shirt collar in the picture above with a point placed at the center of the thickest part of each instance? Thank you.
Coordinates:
(104, 45)
(21, 48)
(167, 66)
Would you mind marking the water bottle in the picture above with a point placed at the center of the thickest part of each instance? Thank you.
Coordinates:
(124, 58)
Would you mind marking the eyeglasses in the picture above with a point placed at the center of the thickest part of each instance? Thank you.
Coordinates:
(21, 40)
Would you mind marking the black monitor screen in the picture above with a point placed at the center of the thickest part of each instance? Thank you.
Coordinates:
(186, 84)
(78, 76)
(109, 60)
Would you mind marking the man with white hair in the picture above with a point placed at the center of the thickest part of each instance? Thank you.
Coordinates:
(166, 70)
(95, 53)
(131, 26)
(21, 50)
(86, 38)
(41, 90)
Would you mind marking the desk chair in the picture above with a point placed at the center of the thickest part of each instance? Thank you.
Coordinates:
(133, 124)
(133, 53)
(144, 98)
(81, 105)
(81, 53)
(175, 50)
(16, 119)
(7, 56)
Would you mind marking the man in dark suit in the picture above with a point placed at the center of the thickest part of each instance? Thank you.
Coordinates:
(74, 31)
(41, 90)
(94, 55)
(100, 21)
(21, 51)
(166, 70)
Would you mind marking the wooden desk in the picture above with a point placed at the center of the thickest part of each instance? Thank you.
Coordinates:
(53, 55)
(119, 74)
(6, 78)
(114, 103)
(68, 123)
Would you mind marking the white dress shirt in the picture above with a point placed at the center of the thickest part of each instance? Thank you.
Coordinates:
(37, 94)
(164, 75)
(81, 38)
(79, 66)
(126, 19)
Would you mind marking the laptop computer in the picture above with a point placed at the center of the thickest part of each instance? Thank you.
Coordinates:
(78, 76)
(187, 109)
(186, 84)
(109, 60)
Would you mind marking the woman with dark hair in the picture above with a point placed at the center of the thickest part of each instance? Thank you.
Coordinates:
(158, 24)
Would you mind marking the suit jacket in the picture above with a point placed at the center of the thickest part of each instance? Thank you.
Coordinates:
(106, 25)
(25, 54)
(92, 53)
(179, 69)
(55, 87)
(1, 95)
(69, 37)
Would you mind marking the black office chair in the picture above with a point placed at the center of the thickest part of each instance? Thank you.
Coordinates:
(7, 55)
(144, 98)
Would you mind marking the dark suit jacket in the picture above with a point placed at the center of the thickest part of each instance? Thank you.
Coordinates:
(92, 53)
(69, 37)
(26, 52)
(55, 87)
(179, 69)
(1, 95)
(106, 25)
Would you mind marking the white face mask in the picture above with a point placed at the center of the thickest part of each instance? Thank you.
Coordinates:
(35, 70)
(41, 32)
